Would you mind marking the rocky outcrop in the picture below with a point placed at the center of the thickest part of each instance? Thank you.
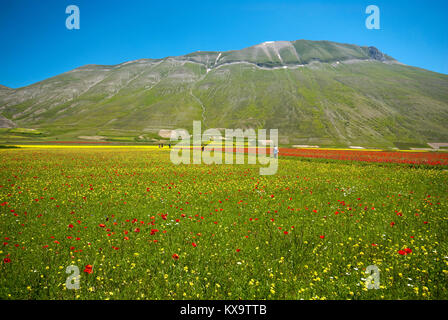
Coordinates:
(6, 123)
(376, 54)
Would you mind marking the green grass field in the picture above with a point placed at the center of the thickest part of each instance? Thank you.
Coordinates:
(139, 227)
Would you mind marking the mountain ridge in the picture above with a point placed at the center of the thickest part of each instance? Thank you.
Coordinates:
(374, 54)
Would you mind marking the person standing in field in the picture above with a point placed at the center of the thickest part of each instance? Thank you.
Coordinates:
(275, 152)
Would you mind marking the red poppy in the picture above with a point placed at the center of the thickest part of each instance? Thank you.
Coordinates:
(194, 244)
(238, 250)
(402, 252)
(70, 226)
(88, 268)
(407, 250)
(6, 260)
(102, 225)
(175, 256)
(322, 236)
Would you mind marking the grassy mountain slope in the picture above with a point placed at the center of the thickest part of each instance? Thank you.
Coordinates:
(4, 90)
(314, 92)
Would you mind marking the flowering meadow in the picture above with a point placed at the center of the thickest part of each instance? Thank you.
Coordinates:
(404, 157)
(139, 227)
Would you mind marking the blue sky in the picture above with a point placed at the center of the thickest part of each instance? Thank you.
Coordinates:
(35, 44)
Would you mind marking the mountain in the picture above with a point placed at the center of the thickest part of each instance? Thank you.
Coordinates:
(314, 92)
(4, 90)
(4, 122)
